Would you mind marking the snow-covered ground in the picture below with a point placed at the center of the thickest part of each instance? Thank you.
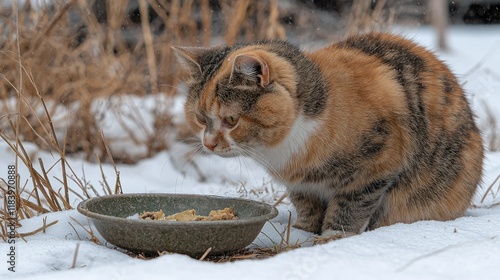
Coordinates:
(466, 248)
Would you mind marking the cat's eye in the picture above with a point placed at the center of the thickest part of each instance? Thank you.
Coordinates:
(231, 121)
(201, 119)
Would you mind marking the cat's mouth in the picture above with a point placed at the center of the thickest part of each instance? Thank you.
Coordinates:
(224, 154)
(227, 154)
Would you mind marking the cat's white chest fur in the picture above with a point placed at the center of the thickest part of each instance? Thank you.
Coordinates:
(295, 142)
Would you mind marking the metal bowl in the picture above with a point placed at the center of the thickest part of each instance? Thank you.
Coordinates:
(109, 215)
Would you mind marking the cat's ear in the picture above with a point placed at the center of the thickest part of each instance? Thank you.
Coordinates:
(252, 68)
(188, 57)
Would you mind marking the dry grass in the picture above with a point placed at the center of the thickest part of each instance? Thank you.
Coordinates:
(63, 57)
(71, 58)
(67, 57)
(491, 130)
(363, 18)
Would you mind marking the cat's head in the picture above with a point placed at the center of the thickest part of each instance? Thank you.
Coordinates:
(239, 98)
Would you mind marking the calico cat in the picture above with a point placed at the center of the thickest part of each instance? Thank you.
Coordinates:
(367, 132)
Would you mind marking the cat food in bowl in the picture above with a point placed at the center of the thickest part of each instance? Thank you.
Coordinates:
(190, 215)
(110, 215)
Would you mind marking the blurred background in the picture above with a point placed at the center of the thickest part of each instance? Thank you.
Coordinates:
(67, 66)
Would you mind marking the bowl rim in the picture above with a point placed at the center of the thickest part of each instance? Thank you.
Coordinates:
(82, 208)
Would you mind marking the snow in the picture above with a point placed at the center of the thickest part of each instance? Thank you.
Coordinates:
(465, 248)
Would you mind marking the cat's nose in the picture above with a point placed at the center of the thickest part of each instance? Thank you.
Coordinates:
(211, 147)
(210, 144)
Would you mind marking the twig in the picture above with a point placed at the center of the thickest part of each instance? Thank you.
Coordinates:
(288, 229)
(237, 21)
(51, 198)
(278, 202)
(52, 23)
(436, 252)
(479, 64)
(206, 21)
(22, 235)
(93, 238)
(489, 188)
(206, 253)
(275, 30)
(75, 256)
(148, 40)
(105, 182)
(19, 94)
(118, 185)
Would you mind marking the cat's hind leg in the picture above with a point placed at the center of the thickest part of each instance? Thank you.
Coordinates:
(310, 211)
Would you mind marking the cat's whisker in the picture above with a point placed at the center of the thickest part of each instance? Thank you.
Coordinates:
(195, 152)
(191, 140)
(263, 161)
(247, 168)
(187, 159)
(178, 79)
(260, 158)
(190, 155)
(167, 85)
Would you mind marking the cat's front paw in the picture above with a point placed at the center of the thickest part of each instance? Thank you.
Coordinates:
(331, 234)
(307, 226)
